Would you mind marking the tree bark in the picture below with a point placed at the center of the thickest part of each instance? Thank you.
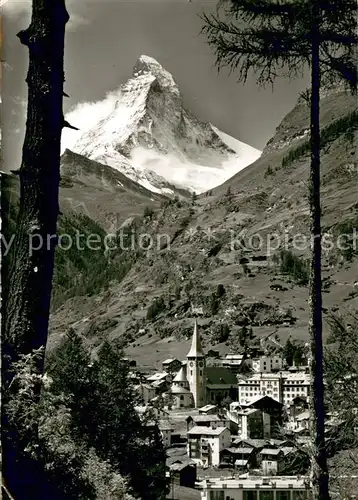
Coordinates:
(319, 456)
(27, 300)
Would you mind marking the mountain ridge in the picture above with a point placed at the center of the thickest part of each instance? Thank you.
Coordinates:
(152, 308)
(149, 297)
(153, 139)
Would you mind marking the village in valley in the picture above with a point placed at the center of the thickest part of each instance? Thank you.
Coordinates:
(235, 427)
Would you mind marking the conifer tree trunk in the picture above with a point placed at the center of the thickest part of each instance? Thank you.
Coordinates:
(319, 456)
(27, 300)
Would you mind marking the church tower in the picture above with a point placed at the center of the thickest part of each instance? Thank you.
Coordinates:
(196, 370)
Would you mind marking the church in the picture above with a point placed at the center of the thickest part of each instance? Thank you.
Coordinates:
(197, 384)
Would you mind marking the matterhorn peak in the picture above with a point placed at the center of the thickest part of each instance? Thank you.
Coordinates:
(150, 137)
(149, 65)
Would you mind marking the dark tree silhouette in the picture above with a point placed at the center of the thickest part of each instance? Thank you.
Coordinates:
(27, 295)
(280, 38)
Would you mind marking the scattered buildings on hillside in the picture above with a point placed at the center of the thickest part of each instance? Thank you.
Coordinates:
(194, 383)
(232, 412)
(265, 456)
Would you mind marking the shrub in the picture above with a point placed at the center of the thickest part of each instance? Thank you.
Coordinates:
(220, 291)
(148, 212)
(296, 267)
(269, 171)
(84, 270)
(214, 305)
(347, 228)
(155, 308)
(342, 126)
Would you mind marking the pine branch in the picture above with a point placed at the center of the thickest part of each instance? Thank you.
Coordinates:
(269, 52)
(255, 9)
(341, 39)
(68, 125)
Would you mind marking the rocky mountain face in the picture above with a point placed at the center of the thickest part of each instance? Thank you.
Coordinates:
(151, 138)
(236, 257)
(103, 193)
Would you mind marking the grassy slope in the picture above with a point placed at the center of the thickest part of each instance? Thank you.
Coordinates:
(108, 297)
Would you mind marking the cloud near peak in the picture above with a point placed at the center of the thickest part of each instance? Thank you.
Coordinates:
(85, 115)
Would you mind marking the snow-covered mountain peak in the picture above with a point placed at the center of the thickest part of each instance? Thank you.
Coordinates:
(149, 65)
(148, 135)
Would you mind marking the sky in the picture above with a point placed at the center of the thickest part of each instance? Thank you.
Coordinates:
(103, 41)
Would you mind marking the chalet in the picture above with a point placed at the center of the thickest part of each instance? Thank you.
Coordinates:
(271, 460)
(183, 473)
(208, 410)
(233, 361)
(241, 458)
(212, 421)
(171, 365)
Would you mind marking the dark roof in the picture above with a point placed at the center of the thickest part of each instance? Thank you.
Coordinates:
(239, 451)
(270, 451)
(258, 400)
(205, 418)
(178, 466)
(255, 443)
(216, 375)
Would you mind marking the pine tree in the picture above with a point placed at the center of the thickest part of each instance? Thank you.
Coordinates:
(27, 299)
(104, 415)
(278, 37)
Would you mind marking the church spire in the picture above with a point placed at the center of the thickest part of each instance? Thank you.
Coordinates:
(196, 350)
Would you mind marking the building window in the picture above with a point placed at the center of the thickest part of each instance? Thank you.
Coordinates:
(249, 495)
(217, 495)
(191, 372)
(283, 495)
(201, 373)
(267, 495)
